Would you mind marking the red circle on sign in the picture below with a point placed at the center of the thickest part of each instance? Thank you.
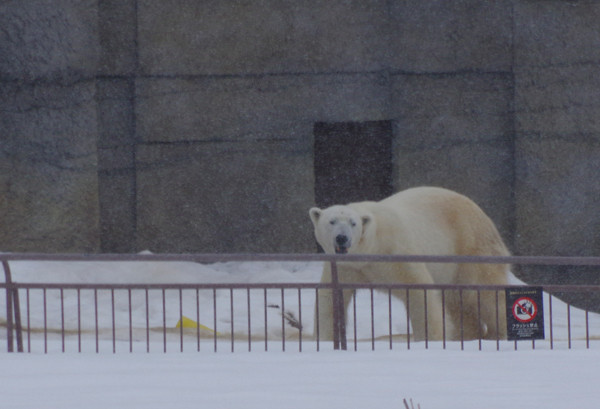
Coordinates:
(524, 309)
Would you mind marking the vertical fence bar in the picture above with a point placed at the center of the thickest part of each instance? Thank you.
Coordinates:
(45, 322)
(587, 330)
(372, 321)
(282, 321)
(164, 316)
(62, 319)
(215, 318)
(426, 319)
(299, 320)
(249, 321)
(130, 311)
(198, 319)
(147, 321)
(10, 343)
(181, 320)
(569, 323)
(79, 320)
(497, 299)
(316, 325)
(443, 319)
(479, 317)
(335, 306)
(354, 320)
(550, 320)
(462, 320)
(17, 314)
(267, 325)
(96, 319)
(390, 316)
(13, 311)
(407, 306)
(28, 320)
(231, 317)
(114, 324)
(339, 320)
(342, 321)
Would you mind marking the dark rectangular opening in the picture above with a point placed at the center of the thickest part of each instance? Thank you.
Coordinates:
(352, 161)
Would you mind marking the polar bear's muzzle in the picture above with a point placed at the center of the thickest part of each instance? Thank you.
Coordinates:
(342, 243)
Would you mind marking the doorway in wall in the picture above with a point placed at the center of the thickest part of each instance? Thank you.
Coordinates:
(352, 161)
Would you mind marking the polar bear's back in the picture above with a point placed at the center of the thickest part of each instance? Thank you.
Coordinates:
(423, 195)
(461, 227)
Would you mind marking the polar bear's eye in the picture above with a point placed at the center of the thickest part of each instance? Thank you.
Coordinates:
(352, 223)
(332, 221)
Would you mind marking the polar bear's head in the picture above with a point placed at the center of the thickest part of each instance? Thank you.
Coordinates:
(339, 229)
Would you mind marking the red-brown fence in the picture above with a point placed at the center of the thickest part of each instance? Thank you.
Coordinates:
(27, 302)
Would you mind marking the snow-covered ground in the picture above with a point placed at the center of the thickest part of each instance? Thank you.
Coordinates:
(433, 378)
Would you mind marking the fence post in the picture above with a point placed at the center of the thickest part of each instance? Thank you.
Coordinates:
(339, 315)
(13, 311)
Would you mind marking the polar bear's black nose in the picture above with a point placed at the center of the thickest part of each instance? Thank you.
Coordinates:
(342, 242)
(341, 239)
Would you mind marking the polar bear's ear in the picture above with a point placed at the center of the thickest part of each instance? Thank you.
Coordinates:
(315, 214)
(366, 223)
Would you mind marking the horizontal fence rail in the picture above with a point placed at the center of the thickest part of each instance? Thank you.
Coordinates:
(162, 316)
(225, 257)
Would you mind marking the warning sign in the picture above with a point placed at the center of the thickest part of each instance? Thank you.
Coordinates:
(525, 313)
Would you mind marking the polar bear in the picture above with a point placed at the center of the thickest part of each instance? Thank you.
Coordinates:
(418, 221)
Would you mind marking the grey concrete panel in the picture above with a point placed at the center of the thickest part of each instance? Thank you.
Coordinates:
(116, 116)
(117, 202)
(224, 197)
(116, 164)
(438, 110)
(556, 33)
(239, 108)
(48, 39)
(558, 101)
(48, 168)
(117, 31)
(268, 36)
(447, 36)
(558, 190)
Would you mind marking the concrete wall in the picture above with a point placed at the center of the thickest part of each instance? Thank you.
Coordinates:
(186, 126)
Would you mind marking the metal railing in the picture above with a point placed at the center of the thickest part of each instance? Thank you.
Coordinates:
(24, 299)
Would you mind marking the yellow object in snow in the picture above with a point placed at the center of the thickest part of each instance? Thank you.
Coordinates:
(186, 322)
